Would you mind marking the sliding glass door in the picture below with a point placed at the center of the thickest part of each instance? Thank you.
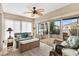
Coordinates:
(60, 29)
(55, 28)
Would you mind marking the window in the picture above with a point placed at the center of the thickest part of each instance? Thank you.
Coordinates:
(26, 26)
(16, 26)
(69, 26)
(8, 24)
(55, 27)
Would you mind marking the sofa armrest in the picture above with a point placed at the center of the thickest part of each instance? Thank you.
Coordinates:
(57, 41)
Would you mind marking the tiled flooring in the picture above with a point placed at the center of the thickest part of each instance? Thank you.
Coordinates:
(50, 41)
(43, 50)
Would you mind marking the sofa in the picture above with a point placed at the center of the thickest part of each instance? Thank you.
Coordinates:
(22, 37)
(24, 42)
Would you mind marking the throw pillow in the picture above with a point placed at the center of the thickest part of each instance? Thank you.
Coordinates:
(73, 41)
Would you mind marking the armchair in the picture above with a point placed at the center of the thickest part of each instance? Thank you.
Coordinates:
(70, 47)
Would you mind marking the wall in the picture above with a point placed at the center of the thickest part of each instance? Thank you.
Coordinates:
(1, 27)
(0, 30)
(16, 17)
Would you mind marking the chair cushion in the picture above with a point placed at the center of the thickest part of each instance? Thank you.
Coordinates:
(24, 35)
(64, 43)
(69, 52)
(73, 41)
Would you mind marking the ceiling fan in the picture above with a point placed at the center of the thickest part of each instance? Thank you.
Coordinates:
(35, 11)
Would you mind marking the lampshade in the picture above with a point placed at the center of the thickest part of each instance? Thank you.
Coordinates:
(9, 29)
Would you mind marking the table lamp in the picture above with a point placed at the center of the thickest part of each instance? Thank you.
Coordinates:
(9, 30)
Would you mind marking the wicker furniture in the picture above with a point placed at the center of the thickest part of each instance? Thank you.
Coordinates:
(65, 36)
(54, 53)
(28, 45)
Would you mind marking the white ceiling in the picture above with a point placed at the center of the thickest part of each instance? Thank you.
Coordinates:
(20, 8)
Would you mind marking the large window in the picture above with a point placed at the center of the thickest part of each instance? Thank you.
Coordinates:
(70, 26)
(17, 26)
(8, 24)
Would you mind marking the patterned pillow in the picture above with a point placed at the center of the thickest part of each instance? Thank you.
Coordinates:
(73, 41)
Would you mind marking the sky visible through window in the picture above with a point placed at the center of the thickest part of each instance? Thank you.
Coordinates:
(65, 22)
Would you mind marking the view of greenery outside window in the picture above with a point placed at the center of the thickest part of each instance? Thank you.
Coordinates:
(55, 27)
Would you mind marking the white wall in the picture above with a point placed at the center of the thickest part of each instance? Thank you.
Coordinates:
(2, 35)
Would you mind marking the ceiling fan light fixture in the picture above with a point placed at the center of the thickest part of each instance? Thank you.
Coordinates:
(38, 12)
(34, 8)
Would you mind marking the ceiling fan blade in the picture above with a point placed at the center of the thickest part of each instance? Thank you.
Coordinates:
(40, 14)
(27, 12)
(40, 10)
(33, 15)
(29, 7)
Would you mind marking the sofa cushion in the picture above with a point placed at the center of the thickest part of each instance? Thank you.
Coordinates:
(28, 41)
(28, 38)
(73, 41)
(24, 35)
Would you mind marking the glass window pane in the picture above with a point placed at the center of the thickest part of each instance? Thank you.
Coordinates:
(8, 24)
(26, 27)
(55, 27)
(17, 26)
(69, 26)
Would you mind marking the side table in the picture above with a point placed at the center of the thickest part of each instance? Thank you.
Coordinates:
(10, 42)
